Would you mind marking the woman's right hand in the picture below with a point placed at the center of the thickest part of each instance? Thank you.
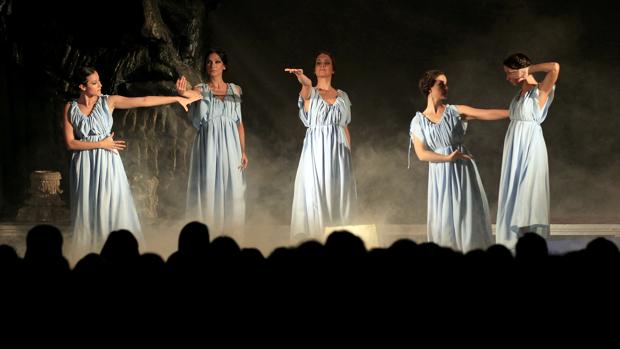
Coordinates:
(110, 144)
(299, 73)
(182, 87)
(457, 154)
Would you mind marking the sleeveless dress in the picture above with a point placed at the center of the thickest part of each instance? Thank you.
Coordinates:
(325, 189)
(101, 199)
(216, 185)
(458, 211)
(523, 204)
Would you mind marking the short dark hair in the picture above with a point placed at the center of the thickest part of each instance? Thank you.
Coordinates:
(428, 81)
(517, 61)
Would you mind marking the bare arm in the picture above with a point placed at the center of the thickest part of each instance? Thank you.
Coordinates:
(306, 84)
(73, 144)
(482, 114)
(346, 131)
(552, 70)
(182, 89)
(427, 155)
(244, 157)
(122, 102)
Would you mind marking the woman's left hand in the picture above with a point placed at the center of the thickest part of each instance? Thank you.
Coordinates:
(244, 162)
(192, 96)
(520, 74)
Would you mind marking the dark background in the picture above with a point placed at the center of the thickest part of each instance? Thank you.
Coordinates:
(381, 49)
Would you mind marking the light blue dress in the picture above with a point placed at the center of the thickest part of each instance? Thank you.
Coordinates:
(325, 192)
(101, 199)
(524, 185)
(458, 211)
(216, 185)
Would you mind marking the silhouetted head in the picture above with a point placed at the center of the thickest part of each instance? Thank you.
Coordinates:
(343, 244)
(151, 264)
(435, 84)
(9, 260)
(531, 246)
(310, 250)
(602, 248)
(43, 241)
(194, 238)
(403, 248)
(92, 265)
(120, 246)
(224, 247)
(499, 252)
(252, 257)
(7, 253)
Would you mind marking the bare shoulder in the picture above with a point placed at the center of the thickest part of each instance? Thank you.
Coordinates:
(237, 89)
(65, 111)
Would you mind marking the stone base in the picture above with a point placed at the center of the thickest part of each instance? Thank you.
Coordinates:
(43, 214)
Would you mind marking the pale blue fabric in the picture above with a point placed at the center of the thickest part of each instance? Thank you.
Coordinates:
(216, 185)
(101, 199)
(458, 211)
(325, 191)
(524, 185)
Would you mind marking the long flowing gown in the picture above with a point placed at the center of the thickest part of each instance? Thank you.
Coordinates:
(458, 211)
(325, 191)
(101, 199)
(216, 184)
(524, 185)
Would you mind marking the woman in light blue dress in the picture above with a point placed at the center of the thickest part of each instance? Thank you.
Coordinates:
(216, 183)
(325, 192)
(458, 211)
(101, 199)
(524, 185)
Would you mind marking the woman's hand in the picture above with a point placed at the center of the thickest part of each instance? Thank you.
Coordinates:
(295, 71)
(519, 75)
(299, 73)
(110, 144)
(244, 162)
(457, 154)
(182, 86)
(192, 96)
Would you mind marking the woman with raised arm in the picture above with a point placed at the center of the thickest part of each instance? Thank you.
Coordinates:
(325, 192)
(458, 211)
(216, 183)
(523, 204)
(101, 199)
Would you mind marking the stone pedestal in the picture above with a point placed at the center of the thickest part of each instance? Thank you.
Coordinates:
(44, 204)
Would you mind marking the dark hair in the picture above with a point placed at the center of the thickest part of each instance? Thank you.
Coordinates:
(517, 61)
(428, 81)
(79, 77)
(81, 74)
(218, 52)
(327, 53)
